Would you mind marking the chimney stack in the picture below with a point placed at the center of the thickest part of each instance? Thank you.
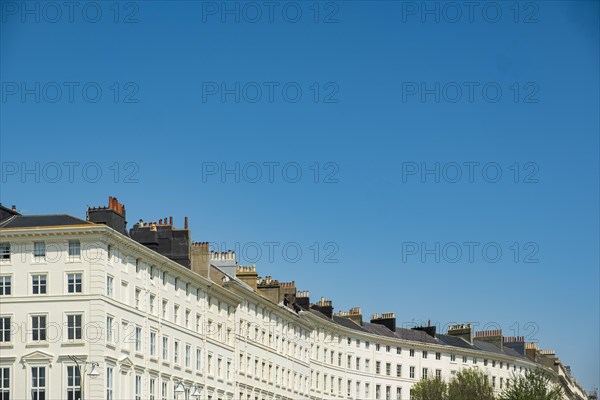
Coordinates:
(303, 299)
(494, 336)
(185, 223)
(14, 208)
(324, 306)
(464, 331)
(386, 319)
(354, 315)
(515, 343)
(113, 215)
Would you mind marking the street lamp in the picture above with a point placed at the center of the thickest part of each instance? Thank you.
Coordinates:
(92, 374)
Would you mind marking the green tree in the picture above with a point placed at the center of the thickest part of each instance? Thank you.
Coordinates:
(430, 389)
(533, 385)
(470, 384)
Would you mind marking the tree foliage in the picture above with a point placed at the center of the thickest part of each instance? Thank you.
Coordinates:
(430, 389)
(470, 384)
(533, 385)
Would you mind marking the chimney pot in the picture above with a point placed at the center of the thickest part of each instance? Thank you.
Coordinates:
(14, 208)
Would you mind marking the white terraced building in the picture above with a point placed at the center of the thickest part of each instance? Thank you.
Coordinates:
(88, 312)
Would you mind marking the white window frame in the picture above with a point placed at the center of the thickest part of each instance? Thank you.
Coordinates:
(75, 285)
(39, 329)
(39, 285)
(36, 386)
(74, 329)
(4, 279)
(74, 250)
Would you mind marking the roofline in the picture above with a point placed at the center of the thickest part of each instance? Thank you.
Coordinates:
(107, 233)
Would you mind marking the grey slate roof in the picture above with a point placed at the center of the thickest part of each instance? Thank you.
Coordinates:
(415, 336)
(454, 341)
(30, 221)
(348, 323)
(378, 329)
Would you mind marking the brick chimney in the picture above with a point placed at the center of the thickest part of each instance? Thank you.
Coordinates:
(430, 330)
(386, 319)
(324, 306)
(303, 299)
(464, 331)
(164, 238)
(248, 275)
(515, 343)
(200, 255)
(354, 314)
(269, 288)
(494, 337)
(532, 352)
(113, 215)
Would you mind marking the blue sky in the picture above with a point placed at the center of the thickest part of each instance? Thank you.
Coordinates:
(359, 98)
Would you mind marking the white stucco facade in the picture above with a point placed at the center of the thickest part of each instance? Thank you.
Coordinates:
(146, 325)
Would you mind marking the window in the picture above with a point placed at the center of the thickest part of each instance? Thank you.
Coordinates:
(74, 327)
(398, 393)
(388, 393)
(5, 251)
(378, 367)
(438, 374)
(199, 360)
(188, 350)
(153, 344)
(388, 349)
(124, 292)
(109, 329)
(367, 390)
(377, 347)
(358, 363)
(4, 330)
(152, 388)
(109, 285)
(38, 328)
(388, 369)
(176, 313)
(398, 350)
(74, 249)
(176, 352)
(38, 383)
(164, 278)
(464, 359)
(5, 285)
(412, 372)
(138, 338)
(425, 373)
(109, 250)
(138, 293)
(38, 283)
(399, 370)
(74, 283)
(151, 303)
(438, 356)
(412, 352)
(377, 391)
(165, 348)
(453, 357)
(163, 391)
(164, 308)
(73, 383)
(138, 387)
(424, 354)
(39, 251)
(4, 383)
(138, 265)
